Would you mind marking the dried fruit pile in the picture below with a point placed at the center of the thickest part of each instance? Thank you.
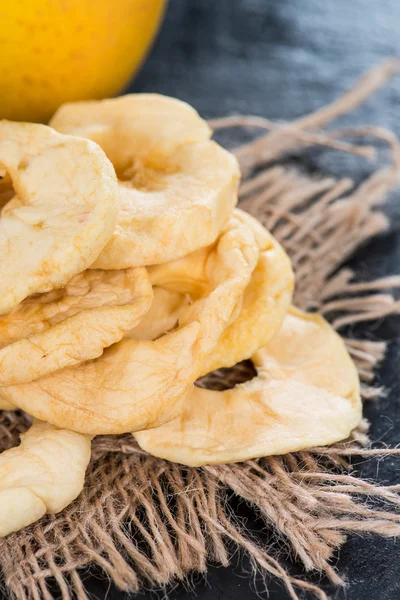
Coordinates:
(128, 273)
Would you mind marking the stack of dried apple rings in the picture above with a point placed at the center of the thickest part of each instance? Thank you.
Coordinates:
(128, 273)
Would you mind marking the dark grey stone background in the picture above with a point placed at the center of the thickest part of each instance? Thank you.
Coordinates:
(281, 59)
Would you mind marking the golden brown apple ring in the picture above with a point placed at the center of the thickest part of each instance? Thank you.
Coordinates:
(65, 327)
(62, 214)
(139, 384)
(265, 303)
(162, 316)
(177, 187)
(306, 393)
(6, 405)
(42, 475)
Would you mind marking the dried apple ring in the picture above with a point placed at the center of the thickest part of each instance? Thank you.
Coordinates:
(42, 475)
(306, 393)
(62, 214)
(162, 316)
(6, 405)
(65, 327)
(6, 188)
(177, 187)
(138, 384)
(265, 302)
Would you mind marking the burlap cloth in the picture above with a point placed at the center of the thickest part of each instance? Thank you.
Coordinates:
(146, 522)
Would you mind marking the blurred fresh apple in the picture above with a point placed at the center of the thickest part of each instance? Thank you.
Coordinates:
(58, 50)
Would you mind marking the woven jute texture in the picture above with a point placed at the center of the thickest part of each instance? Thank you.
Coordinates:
(146, 522)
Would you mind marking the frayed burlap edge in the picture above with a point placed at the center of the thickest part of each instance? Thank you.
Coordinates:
(146, 522)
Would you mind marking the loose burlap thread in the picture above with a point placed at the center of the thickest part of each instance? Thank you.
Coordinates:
(148, 523)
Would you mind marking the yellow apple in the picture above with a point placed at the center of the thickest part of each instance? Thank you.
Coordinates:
(53, 51)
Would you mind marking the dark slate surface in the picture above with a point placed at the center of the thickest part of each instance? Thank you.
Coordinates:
(281, 59)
